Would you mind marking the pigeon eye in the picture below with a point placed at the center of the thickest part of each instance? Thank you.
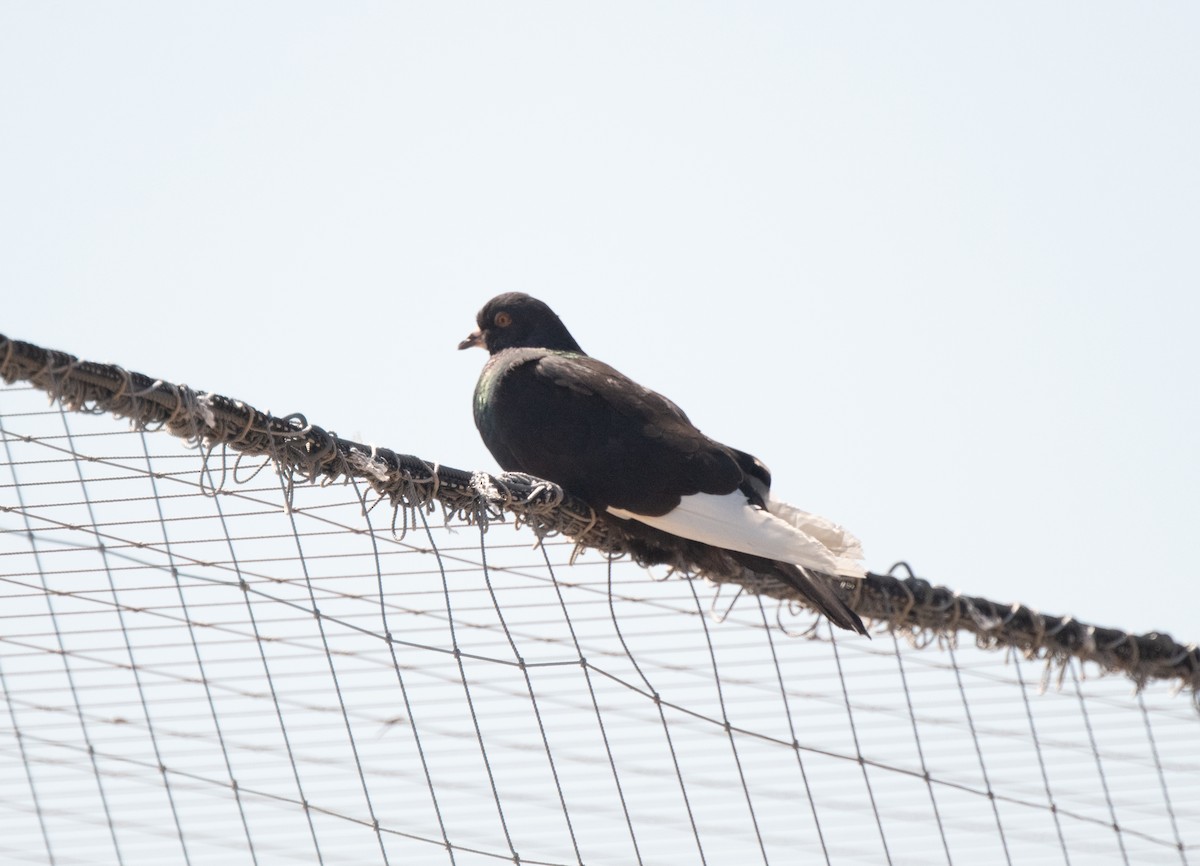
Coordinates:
(503, 320)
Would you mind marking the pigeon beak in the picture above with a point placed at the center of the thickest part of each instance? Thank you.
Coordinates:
(475, 338)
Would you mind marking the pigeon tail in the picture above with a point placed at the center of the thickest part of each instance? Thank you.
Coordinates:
(845, 549)
(816, 589)
(819, 591)
(787, 535)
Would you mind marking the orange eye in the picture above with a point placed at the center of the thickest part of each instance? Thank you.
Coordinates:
(503, 320)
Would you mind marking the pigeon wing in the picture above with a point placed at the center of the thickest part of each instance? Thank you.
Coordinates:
(578, 422)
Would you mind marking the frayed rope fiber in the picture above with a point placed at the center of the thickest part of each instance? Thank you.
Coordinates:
(306, 453)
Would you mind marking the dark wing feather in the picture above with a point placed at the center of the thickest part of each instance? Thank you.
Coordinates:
(580, 423)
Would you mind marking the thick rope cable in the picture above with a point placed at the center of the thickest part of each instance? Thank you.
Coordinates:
(307, 453)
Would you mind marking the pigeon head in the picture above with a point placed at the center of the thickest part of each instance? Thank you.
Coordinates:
(517, 321)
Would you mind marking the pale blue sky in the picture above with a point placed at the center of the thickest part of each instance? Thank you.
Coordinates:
(935, 263)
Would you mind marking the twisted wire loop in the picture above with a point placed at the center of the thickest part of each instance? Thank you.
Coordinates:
(306, 453)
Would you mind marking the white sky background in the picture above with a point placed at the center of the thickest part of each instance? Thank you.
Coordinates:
(936, 264)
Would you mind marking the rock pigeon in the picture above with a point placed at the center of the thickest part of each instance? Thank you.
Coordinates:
(545, 408)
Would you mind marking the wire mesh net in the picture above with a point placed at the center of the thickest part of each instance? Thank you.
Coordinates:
(203, 661)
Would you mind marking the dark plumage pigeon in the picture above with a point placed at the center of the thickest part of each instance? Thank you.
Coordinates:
(545, 408)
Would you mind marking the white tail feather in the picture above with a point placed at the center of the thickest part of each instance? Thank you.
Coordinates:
(784, 533)
(846, 550)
